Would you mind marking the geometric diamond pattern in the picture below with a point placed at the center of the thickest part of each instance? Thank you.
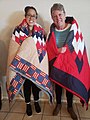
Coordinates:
(79, 63)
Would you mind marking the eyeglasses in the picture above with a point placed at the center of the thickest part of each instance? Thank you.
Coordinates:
(31, 16)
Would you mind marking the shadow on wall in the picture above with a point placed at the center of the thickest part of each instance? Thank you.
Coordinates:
(44, 24)
(3, 58)
(15, 18)
(5, 36)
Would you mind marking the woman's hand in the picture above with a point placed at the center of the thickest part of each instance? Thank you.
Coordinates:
(62, 50)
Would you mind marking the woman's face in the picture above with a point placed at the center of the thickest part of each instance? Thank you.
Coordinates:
(31, 17)
(58, 18)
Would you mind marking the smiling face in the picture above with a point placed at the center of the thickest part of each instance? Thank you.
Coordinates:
(58, 18)
(31, 17)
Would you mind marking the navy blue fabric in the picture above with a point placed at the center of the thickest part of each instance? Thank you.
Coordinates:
(70, 82)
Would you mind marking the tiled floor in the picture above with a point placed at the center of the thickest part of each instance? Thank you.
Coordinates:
(16, 111)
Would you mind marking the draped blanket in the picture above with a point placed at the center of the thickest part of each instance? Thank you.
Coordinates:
(28, 59)
(71, 69)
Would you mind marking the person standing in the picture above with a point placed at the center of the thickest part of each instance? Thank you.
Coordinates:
(28, 61)
(65, 63)
(31, 17)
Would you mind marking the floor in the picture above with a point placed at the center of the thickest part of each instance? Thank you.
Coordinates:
(16, 111)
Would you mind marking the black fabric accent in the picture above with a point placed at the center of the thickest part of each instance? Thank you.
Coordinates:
(69, 19)
(70, 82)
(79, 63)
(40, 57)
(51, 64)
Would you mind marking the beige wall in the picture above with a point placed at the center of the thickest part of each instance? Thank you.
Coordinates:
(11, 13)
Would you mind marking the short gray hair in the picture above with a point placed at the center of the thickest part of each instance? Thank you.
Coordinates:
(57, 6)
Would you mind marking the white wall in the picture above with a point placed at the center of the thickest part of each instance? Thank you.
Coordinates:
(12, 12)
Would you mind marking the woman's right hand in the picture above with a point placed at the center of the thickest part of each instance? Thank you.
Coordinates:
(62, 50)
